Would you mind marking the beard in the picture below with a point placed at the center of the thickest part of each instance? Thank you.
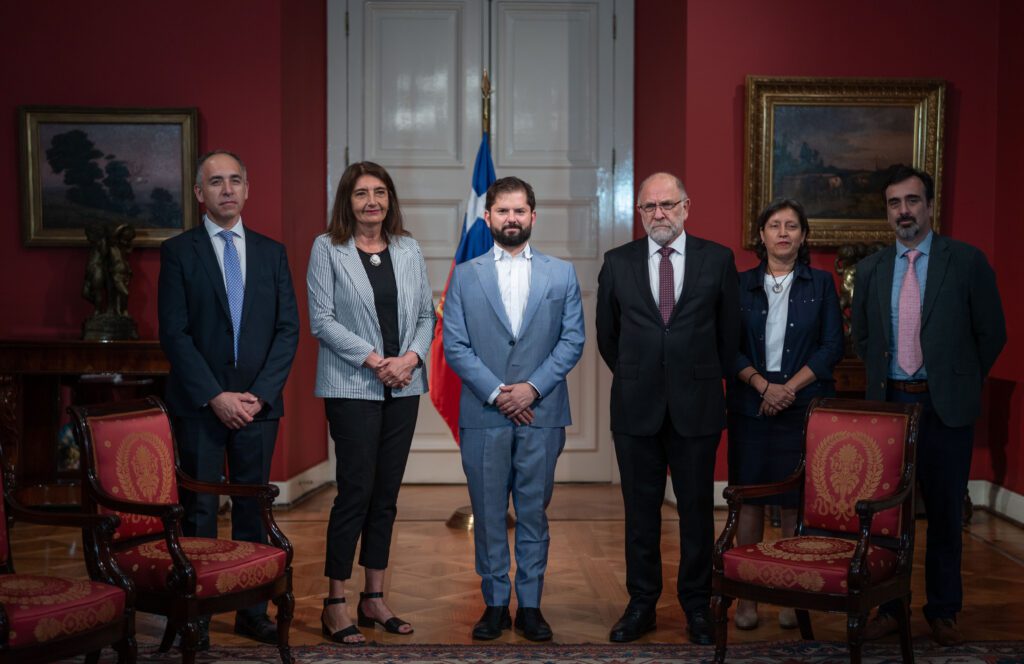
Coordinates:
(663, 235)
(511, 235)
(910, 232)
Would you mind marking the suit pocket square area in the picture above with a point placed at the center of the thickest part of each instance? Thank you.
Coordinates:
(627, 371)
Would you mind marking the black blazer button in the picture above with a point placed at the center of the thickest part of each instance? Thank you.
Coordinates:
(511, 342)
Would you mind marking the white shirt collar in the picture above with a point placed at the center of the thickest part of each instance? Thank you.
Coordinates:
(213, 229)
(500, 253)
(679, 244)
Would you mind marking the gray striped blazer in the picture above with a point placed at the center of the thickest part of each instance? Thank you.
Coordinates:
(342, 316)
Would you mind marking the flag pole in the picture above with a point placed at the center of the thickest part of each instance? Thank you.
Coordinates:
(462, 517)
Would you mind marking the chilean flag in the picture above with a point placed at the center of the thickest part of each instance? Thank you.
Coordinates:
(445, 386)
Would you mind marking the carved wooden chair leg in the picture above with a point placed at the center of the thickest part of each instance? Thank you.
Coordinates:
(855, 635)
(285, 609)
(127, 651)
(906, 644)
(720, 615)
(803, 618)
(170, 632)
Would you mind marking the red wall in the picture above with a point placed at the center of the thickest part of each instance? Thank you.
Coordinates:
(699, 133)
(257, 75)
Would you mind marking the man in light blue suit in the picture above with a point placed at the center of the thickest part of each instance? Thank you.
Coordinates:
(513, 329)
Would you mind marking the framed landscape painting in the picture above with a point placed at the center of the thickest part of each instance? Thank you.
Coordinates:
(831, 144)
(81, 166)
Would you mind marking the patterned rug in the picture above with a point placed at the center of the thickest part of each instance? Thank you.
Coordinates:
(788, 652)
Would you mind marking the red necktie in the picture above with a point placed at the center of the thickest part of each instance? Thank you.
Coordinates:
(908, 345)
(666, 284)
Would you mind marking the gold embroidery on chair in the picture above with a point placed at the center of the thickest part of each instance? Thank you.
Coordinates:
(75, 622)
(807, 549)
(30, 590)
(778, 576)
(201, 550)
(248, 577)
(844, 460)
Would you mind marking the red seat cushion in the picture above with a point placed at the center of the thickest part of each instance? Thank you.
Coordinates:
(46, 608)
(222, 566)
(814, 564)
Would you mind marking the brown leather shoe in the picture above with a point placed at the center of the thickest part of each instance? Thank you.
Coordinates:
(883, 624)
(945, 632)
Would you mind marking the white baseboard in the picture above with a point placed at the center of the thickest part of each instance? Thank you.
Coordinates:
(996, 499)
(306, 481)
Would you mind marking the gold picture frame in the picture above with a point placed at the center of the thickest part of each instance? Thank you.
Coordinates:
(84, 165)
(830, 143)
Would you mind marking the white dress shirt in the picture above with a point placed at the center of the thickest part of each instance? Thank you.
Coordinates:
(678, 258)
(775, 325)
(514, 285)
(218, 244)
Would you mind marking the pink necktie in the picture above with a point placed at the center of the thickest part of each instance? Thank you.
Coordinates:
(666, 284)
(909, 343)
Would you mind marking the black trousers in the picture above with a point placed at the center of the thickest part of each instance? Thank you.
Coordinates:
(203, 445)
(371, 444)
(943, 468)
(643, 463)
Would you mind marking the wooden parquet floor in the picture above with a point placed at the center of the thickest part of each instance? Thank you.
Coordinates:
(432, 583)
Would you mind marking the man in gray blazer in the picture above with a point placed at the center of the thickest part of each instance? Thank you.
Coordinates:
(513, 329)
(928, 323)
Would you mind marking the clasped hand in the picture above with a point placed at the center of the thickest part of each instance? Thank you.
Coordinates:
(514, 402)
(776, 398)
(394, 372)
(236, 409)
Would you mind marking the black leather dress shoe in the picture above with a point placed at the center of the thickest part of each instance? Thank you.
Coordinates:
(258, 628)
(633, 624)
(494, 619)
(698, 627)
(531, 623)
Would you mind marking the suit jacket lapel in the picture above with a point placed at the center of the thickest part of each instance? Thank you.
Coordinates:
(208, 259)
(539, 277)
(488, 276)
(937, 264)
(884, 292)
(353, 267)
(643, 278)
(254, 266)
(402, 265)
(692, 263)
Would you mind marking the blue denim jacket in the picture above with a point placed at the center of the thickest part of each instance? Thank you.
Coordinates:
(814, 334)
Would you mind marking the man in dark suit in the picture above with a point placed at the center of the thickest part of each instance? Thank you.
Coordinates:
(229, 327)
(928, 323)
(668, 327)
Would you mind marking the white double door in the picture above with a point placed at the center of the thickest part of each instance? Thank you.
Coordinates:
(404, 91)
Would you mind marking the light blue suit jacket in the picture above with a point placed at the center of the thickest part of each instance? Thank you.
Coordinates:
(481, 349)
(343, 317)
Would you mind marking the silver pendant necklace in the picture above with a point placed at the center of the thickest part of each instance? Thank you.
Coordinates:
(778, 285)
(375, 260)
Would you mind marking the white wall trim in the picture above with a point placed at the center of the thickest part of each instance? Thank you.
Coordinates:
(308, 480)
(996, 499)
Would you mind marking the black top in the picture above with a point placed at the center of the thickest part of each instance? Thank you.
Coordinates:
(385, 298)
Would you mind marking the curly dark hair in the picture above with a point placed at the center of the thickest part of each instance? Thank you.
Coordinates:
(803, 254)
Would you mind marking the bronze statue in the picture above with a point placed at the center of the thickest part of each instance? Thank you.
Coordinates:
(107, 278)
(847, 257)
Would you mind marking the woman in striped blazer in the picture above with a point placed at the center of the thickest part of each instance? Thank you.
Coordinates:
(370, 306)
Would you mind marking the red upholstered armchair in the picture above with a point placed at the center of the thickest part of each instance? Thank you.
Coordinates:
(854, 544)
(130, 469)
(49, 618)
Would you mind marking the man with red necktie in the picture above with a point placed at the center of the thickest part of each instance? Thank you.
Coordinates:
(928, 323)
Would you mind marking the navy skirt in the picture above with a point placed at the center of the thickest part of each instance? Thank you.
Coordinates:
(767, 449)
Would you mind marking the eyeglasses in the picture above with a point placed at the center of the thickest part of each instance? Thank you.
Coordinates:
(666, 206)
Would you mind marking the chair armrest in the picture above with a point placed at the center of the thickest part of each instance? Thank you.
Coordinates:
(227, 488)
(868, 508)
(69, 519)
(169, 513)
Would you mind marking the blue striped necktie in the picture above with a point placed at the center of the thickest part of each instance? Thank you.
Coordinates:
(233, 282)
